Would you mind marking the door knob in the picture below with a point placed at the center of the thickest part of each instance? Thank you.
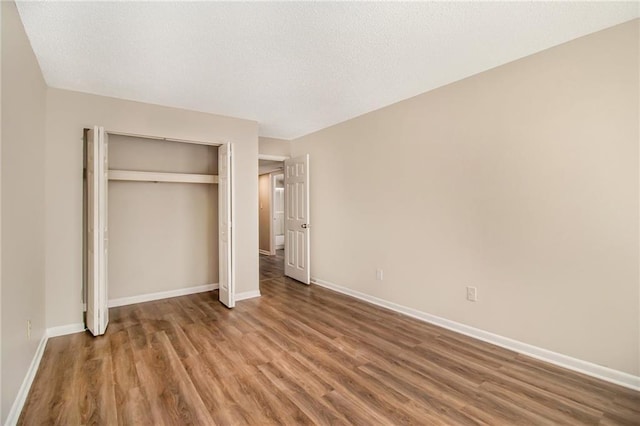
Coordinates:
(304, 225)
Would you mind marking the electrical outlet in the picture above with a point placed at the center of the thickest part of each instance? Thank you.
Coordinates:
(379, 274)
(28, 329)
(472, 294)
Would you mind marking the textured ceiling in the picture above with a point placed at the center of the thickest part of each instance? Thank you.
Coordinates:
(293, 67)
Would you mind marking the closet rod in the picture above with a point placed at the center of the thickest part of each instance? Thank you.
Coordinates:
(132, 175)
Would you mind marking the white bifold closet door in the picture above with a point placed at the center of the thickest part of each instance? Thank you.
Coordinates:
(226, 291)
(97, 231)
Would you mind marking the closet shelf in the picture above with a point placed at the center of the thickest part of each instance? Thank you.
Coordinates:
(132, 175)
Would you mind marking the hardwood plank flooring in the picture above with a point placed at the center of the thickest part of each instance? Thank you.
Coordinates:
(302, 355)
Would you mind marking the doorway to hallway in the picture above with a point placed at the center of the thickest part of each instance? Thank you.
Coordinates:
(283, 191)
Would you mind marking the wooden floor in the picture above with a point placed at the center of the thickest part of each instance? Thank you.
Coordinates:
(301, 355)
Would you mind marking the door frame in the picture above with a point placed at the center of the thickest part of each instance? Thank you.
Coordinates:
(272, 229)
(232, 189)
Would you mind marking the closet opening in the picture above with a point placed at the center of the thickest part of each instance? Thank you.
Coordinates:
(157, 221)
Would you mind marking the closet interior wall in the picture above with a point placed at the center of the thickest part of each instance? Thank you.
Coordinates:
(162, 236)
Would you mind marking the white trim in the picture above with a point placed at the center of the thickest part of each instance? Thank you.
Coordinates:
(21, 397)
(268, 253)
(272, 226)
(273, 157)
(132, 175)
(122, 301)
(63, 330)
(247, 295)
(272, 210)
(585, 367)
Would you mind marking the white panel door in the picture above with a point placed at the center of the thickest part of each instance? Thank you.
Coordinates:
(97, 231)
(226, 285)
(296, 246)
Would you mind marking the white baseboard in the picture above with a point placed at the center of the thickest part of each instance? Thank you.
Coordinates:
(247, 295)
(21, 397)
(265, 252)
(23, 392)
(63, 330)
(585, 367)
(122, 301)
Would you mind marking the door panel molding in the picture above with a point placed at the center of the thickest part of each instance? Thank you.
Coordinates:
(297, 221)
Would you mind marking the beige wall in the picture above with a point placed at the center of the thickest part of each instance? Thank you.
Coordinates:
(23, 204)
(153, 155)
(162, 236)
(264, 191)
(273, 146)
(67, 114)
(521, 181)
